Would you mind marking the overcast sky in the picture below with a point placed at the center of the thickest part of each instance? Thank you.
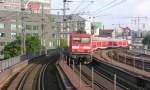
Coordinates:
(109, 12)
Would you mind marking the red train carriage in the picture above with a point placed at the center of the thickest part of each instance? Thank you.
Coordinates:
(100, 43)
(80, 47)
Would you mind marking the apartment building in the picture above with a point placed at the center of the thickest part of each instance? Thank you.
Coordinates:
(33, 21)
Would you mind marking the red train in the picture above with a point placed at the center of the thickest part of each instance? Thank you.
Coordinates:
(82, 45)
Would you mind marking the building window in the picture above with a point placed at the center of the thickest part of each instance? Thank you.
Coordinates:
(2, 26)
(35, 28)
(13, 35)
(28, 27)
(20, 26)
(2, 35)
(50, 44)
(53, 35)
(13, 26)
(35, 34)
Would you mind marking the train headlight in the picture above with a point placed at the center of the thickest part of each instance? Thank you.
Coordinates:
(75, 47)
(86, 47)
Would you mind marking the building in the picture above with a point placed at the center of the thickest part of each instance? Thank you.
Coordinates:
(96, 27)
(138, 37)
(33, 21)
(34, 6)
(106, 32)
(122, 32)
(72, 24)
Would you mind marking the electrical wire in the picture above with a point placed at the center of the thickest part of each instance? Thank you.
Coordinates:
(110, 3)
(77, 7)
(86, 7)
(114, 5)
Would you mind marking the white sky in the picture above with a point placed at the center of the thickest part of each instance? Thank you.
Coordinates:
(120, 12)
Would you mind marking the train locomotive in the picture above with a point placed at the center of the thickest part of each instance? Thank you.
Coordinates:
(83, 45)
(80, 48)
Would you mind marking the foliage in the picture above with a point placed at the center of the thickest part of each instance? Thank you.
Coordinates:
(14, 48)
(63, 43)
(146, 40)
(33, 44)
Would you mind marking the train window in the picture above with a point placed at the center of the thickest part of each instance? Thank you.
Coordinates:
(81, 40)
(85, 40)
(76, 39)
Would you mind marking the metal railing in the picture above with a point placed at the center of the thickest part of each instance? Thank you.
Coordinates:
(5, 64)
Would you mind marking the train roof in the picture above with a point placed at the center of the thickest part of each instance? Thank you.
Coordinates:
(107, 39)
(81, 35)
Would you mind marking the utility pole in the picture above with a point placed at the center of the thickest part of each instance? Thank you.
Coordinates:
(137, 20)
(42, 26)
(64, 14)
(23, 38)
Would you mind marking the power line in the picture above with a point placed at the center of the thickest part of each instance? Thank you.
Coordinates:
(87, 6)
(122, 1)
(105, 5)
(77, 7)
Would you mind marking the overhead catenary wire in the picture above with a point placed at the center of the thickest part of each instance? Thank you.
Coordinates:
(106, 5)
(77, 7)
(114, 5)
(86, 7)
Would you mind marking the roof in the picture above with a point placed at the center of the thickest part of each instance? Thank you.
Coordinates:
(107, 30)
(59, 18)
(81, 35)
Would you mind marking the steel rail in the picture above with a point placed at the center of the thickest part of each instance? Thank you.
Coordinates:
(24, 77)
(89, 78)
(41, 82)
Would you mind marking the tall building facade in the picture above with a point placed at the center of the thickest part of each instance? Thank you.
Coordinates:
(72, 24)
(34, 6)
(35, 23)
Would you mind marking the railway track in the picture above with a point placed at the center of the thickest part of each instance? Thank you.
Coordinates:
(101, 82)
(124, 79)
(130, 59)
(40, 74)
(26, 75)
(86, 77)
(39, 81)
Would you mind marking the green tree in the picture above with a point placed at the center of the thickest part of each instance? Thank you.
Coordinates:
(33, 44)
(63, 43)
(14, 48)
(146, 40)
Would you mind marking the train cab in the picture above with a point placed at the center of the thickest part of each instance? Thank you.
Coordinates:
(80, 47)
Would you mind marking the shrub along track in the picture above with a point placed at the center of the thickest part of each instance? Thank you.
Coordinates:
(40, 74)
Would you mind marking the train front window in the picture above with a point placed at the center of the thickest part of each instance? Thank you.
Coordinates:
(81, 40)
(76, 39)
(85, 40)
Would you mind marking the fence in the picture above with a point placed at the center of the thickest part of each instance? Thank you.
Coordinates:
(141, 51)
(5, 64)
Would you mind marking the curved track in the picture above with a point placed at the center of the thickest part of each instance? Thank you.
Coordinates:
(132, 59)
(40, 74)
(101, 82)
(126, 78)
